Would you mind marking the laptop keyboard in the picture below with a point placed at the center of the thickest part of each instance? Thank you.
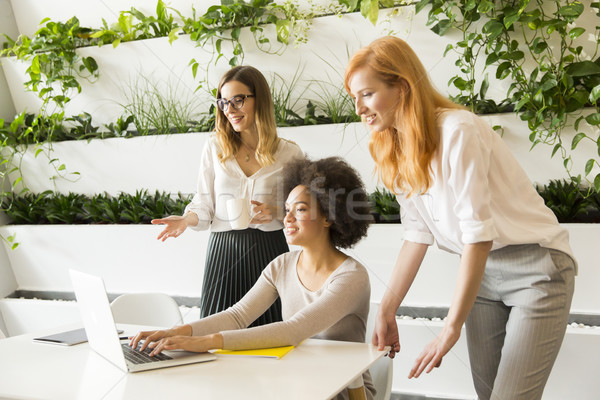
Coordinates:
(139, 357)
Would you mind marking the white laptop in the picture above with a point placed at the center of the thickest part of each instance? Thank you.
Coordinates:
(102, 333)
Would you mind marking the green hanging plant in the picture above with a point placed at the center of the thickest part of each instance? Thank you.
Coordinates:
(561, 90)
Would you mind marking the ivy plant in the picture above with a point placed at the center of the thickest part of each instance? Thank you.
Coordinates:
(54, 65)
(560, 90)
(135, 25)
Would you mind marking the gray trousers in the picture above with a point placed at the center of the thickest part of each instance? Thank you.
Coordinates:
(518, 322)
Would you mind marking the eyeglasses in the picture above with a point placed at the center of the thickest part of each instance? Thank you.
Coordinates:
(236, 102)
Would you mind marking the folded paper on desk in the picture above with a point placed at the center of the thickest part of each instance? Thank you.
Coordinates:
(272, 352)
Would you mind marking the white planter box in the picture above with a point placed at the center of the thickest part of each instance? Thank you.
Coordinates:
(323, 59)
(435, 282)
(578, 361)
(130, 259)
(170, 162)
(164, 162)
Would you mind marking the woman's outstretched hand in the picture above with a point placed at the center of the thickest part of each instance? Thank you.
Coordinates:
(386, 334)
(175, 226)
(431, 356)
(261, 213)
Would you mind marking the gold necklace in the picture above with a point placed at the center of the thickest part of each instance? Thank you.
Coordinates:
(247, 159)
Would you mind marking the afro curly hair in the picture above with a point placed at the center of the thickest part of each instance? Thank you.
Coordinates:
(339, 192)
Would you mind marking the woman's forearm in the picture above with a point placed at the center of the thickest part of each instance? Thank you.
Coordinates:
(472, 267)
(191, 219)
(407, 265)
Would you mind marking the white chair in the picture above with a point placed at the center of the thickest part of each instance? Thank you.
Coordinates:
(152, 309)
(382, 370)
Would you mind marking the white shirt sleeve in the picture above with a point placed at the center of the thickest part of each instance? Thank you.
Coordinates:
(468, 157)
(203, 202)
(415, 228)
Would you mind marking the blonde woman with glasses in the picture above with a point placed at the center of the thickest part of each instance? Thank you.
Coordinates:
(242, 159)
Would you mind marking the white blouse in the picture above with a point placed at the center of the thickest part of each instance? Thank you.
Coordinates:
(479, 193)
(221, 181)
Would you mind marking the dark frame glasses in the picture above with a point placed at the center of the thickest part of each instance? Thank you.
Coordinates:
(236, 102)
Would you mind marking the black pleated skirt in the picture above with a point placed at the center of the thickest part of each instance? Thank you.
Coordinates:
(234, 261)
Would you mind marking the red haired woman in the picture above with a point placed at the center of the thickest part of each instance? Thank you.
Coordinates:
(459, 185)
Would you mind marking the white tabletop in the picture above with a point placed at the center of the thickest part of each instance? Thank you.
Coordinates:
(317, 369)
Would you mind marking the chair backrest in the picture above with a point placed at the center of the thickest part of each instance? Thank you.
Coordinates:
(153, 309)
(382, 370)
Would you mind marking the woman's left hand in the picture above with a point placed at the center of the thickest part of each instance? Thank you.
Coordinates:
(261, 213)
(431, 356)
(197, 344)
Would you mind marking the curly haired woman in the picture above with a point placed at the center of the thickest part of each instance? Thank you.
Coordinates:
(324, 293)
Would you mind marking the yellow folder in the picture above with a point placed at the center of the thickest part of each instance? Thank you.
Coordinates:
(271, 352)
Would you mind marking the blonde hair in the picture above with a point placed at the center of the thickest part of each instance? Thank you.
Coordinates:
(403, 152)
(229, 140)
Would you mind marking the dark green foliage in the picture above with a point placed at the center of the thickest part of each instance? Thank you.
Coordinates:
(54, 208)
(565, 199)
(385, 206)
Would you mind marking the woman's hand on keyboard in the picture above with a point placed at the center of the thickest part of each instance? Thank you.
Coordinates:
(198, 344)
(154, 336)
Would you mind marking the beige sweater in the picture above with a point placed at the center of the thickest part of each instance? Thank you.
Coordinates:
(337, 311)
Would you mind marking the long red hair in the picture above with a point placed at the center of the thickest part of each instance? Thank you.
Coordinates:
(403, 152)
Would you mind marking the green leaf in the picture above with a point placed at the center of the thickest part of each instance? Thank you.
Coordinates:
(418, 7)
(589, 165)
(576, 32)
(514, 55)
(577, 139)
(370, 10)
(583, 68)
(593, 119)
(509, 20)
(493, 29)
(173, 34)
(235, 33)
(484, 6)
(282, 27)
(555, 149)
(503, 70)
(595, 94)
(492, 58)
(35, 65)
(571, 11)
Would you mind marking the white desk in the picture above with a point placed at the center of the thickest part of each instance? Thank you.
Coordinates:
(317, 369)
